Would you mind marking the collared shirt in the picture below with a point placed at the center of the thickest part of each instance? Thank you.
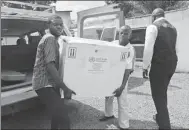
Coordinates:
(47, 51)
(151, 35)
(131, 55)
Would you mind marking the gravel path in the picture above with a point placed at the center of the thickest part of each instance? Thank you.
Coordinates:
(141, 108)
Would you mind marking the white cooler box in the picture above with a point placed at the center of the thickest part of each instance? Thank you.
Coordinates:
(92, 68)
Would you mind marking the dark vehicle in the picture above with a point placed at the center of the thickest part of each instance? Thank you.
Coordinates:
(21, 33)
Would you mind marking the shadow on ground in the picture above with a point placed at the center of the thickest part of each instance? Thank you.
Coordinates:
(135, 82)
(88, 118)
(173, 87)
(82, 117)
(34, 118)
(139, 93)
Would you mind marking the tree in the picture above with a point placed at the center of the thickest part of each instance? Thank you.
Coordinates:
(44, 2)
(165, 5)
(130, 8)
(20, 6)
(126, 6)
(134, 8)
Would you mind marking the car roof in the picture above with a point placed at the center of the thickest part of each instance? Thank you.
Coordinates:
(17, 22)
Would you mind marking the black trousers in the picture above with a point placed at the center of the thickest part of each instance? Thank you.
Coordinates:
(57, 109)
(160, 76)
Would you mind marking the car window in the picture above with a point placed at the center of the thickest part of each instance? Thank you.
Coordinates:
(35, 34)
(138, 36)
(92, 33)
(117, 35)
(5, 41)
(108, 34)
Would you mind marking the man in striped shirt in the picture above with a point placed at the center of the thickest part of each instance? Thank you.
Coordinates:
(46, 79)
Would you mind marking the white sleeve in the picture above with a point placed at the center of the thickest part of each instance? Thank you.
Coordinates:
(131, 58)
(150, 38)
(177, 48)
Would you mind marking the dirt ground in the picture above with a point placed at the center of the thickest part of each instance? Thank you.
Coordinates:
(141, 108)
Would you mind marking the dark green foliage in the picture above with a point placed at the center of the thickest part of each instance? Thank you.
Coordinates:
(134, 8)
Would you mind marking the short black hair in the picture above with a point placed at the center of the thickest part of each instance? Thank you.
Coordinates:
(52, 17)
(127, 27)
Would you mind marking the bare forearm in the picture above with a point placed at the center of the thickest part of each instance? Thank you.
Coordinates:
(147, 58)
(125, 78)
(54, 73)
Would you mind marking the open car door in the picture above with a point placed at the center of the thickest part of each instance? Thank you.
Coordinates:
(17, 61)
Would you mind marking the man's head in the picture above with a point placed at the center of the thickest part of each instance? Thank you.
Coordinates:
(157, 13)
(55, 25)
(124, 35)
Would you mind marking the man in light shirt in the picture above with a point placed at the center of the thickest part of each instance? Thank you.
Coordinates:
(121, 92)
(161, 53)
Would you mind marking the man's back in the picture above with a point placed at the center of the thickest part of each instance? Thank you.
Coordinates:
(47, 50)
(165, 44)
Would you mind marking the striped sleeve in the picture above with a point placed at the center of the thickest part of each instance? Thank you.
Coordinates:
(49, 50)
